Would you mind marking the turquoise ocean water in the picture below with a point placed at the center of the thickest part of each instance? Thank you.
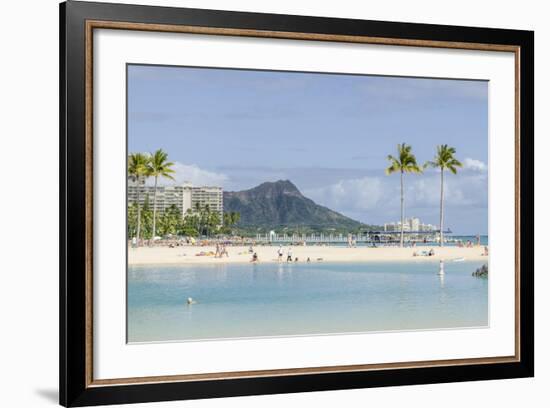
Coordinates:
(249, 300)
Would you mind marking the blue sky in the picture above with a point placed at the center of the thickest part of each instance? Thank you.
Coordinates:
(329, 134)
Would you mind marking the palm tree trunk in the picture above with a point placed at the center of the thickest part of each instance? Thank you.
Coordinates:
(138, 228)
(402, 210)
(441, 212)
(154, 211)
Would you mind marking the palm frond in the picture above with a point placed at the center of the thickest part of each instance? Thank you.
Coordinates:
(159, 166)
(445, 159)
(405, 161)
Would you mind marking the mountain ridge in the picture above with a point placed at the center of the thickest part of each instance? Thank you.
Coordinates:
(280, 203)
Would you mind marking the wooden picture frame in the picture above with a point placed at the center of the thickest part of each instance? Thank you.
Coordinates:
(78, 20)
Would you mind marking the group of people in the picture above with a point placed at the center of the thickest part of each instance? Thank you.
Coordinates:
(280, 253)
(221, 250)
(431, 252)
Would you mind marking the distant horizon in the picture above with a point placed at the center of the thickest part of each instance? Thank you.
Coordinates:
(328, 134)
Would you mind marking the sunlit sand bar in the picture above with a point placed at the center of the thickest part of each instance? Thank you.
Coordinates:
(240, 254)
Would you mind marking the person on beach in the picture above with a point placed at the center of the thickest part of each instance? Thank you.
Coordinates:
(289, 255)
(254, 257)
(280, 253)
(431, 252)
(217, 254)
(250, 249)
(224, 251)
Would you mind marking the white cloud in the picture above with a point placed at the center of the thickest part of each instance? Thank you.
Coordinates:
(352, 194)
(378, 198)
(195, 175)
(473, 164)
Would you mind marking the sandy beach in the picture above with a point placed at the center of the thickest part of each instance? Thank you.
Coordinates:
(239, 254)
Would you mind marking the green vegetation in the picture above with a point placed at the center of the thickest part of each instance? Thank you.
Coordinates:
(143, 220)
(159, 167)
(229, 220)
(138, 171)
(272, 206)
(405, 162)
(203, 220)
(444, 160)
(197, 222)
(140, 167)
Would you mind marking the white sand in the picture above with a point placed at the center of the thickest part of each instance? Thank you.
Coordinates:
(187, 254)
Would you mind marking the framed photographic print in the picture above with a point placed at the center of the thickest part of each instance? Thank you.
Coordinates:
(256, 203)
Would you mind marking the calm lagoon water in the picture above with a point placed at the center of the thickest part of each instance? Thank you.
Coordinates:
(247, 300)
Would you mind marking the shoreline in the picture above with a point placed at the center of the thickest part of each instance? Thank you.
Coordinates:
(187, 255)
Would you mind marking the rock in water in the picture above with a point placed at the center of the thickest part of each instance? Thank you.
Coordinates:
(482, 272)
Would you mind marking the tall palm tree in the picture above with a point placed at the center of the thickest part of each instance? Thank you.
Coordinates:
(444, 160)
(234, 217)
(405, 162)
(198, 214)
(138, 171)
(159, 167)
(205, 219)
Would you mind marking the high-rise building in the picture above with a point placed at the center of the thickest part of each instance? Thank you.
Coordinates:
(412, 224)
(185, 197)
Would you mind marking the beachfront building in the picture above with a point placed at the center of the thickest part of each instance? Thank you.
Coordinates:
(184, 197)
(412, 224)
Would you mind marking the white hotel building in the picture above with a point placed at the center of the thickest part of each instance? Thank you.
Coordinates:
(184, 197)
(410, 224)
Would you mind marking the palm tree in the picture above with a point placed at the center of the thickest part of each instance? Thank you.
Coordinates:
(205, 219)
(159, 167)
(138, 171)
(234, 217)
(405, 162)
(444, 160)
(198, 216)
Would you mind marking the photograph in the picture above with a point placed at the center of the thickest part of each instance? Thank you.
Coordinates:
(264, 203)
(257, 203)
